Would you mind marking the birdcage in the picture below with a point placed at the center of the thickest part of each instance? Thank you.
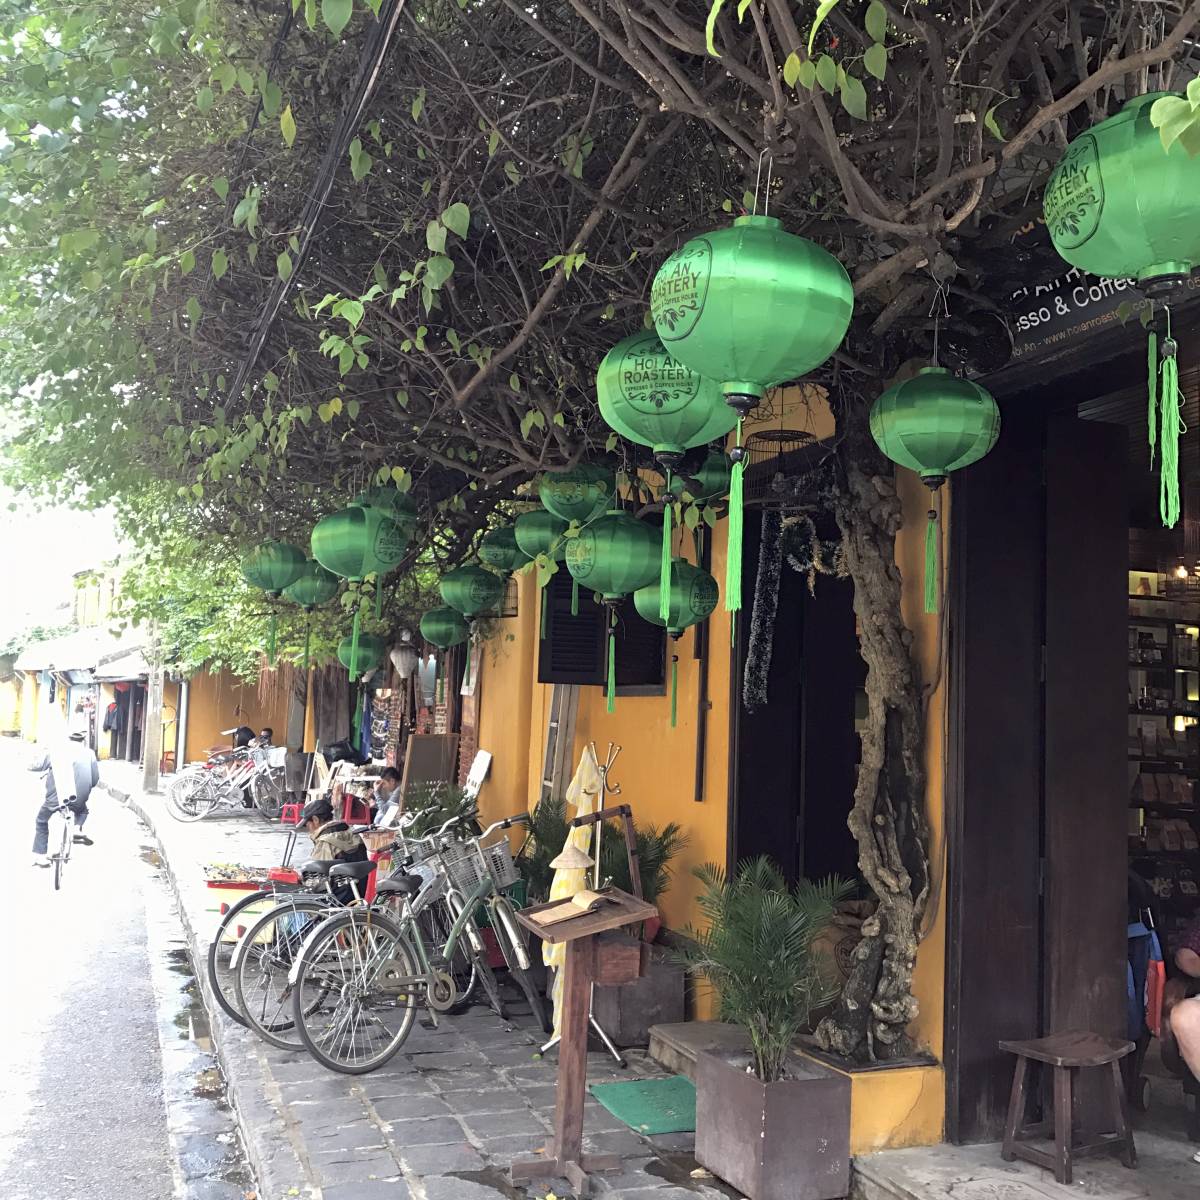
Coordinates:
(787, 470)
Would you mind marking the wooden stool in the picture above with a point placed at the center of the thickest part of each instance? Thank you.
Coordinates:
(1067, 1053)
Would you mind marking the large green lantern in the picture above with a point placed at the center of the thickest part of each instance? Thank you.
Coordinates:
(315, 587)
(653, 399)
(471, 590)
(691, 598)
(358, 541)
(1120, 205)
(578, 494)
(541, 532)
(394, 503)
(499, 549)
(935, 423)
(444, 627)
(751, 306)
(273, 567)
(614, 555)
(362, 657)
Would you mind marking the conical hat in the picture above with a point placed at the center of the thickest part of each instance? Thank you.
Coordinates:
(571, 859)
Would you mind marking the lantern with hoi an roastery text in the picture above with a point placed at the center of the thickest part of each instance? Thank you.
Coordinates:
(394, 503)
(750, 306)
(935, 423)
(655, 400)
(471, 590)
(498, 548)
(691, 598)
(577, 494)
(1119, 205)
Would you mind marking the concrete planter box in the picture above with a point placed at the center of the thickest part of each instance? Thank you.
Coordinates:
(627, 1012)
(788, 1140)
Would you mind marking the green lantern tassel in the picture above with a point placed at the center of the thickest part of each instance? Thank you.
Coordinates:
(664, 574)
(467, 663)
(1152, 392)
(545, 609)
(612, 665)
(574, 597)
(437, 686)
(733, 553)
(1170, 425)
(271, 635)
(378, 598)
(307, 639)
(932, 564)
(354, 643)
(674, 685)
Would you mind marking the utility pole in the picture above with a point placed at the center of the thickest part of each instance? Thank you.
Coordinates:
(152, 721)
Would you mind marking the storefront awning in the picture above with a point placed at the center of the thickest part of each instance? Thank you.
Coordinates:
(131, 665)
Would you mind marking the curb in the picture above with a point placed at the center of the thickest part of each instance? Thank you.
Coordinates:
(269, 1140)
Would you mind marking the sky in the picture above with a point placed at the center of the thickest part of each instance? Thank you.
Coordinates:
(41, 549)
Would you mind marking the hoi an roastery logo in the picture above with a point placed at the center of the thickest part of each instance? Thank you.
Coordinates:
(581, 554)
(654, 382)
(390, 542)
(1074, 197)
(704, 595)
(680, 289)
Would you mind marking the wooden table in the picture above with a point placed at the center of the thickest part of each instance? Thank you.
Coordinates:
(590, 959)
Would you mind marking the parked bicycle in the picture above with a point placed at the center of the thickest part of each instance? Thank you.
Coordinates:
(201, 789)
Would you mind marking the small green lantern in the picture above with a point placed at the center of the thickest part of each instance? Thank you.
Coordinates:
(392, 502)
(499, 549)
(935, 423)
(363, 657)
(444, 627)
(471, 590)
(578, 494)
(691, 598)
(541, 532)
(315, 587)
(1120, 205)
(615, 555)
(751, 306)
(653, 399)
(273, 567)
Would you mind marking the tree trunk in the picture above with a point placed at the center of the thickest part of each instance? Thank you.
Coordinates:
(871, 1018)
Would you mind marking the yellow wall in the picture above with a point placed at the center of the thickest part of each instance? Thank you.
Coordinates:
(104, 740)
(10, 704)
(219, 701)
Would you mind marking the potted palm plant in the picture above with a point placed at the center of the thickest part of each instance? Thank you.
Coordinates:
(772, 1123)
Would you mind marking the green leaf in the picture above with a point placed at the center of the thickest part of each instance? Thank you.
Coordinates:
(827, 73)
(791, 69)
(272, 97)
(808, 74)
(287, 126)
(854, 97)
(220, 263)
(710, 26)
(336, 15)
(192, 308)
(875, 60)
(823, 10)
(283, 264)
(610, 443)
(991, 124)
(418, 104)
(437, 270)
(514, 382)
(204, 99)
(220, 185)
(457, 218)
(876, 22)
(435, 237)
(187, 263)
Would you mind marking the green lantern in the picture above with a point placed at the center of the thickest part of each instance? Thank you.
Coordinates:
(935, 423)
(578, 494)
(541, 532)
(314, 587)
(471, 590)
(394, 503)
(653, 399)
(444, 627)
(499, 549)
(751, 306)
(711, 481)
(362, 657)
(1120, 205)
(691, 598)
(614, 555)
(273, 567)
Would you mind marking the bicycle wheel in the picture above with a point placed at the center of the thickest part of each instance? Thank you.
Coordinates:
(264, 956)
(437, 921)
(356, 992)
(512, 945)
(472, 942)
(221, 977)
(267, 789)
(191, 797)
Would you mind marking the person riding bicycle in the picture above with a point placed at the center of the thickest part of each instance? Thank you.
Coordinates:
(71, 771)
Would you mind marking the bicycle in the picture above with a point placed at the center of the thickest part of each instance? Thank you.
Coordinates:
(378, 968)
(65, 815)
(201, 789)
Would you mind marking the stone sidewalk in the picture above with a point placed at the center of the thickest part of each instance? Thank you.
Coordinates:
(442, 1121)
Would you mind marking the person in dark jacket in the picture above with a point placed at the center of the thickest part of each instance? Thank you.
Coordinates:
(71, 771)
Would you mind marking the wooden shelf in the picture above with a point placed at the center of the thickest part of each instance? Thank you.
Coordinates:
(1166, 714)
(1158, 806)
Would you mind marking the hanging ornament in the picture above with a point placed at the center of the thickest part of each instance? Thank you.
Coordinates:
(711, 481)
(499, 549)
(651, 398)
(358, 541)
(935, 423)
(471, 590)
(392, 502)
(751, 306)
(273, 567)
(443, 627)
(578, 494)
(1119, 205)
(541, 532)
(363, 656)
(405, 657)
(615, 555)
(314, 587)
(691, 597)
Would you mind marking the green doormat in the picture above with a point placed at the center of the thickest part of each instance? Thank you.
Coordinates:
(651, 1105)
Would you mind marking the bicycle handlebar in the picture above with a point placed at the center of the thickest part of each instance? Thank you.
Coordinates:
(521, 818)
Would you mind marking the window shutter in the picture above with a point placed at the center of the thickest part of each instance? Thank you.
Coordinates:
(573, 649)
(641, 649)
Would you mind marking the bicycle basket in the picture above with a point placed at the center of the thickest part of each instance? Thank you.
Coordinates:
(463, 866)
(501, 866)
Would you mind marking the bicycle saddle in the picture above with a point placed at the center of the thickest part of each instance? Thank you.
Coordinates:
(316, 868)
(357, 871)
(399, 885)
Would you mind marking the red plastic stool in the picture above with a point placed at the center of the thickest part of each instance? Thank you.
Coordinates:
(289, 814)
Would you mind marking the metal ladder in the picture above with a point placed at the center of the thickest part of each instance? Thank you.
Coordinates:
(560, 739)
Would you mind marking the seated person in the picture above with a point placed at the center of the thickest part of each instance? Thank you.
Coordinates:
(265, 736)
(387, 798)
(243, 735)
(332, 840)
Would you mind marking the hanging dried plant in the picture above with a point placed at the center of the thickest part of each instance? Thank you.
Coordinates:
(757, 676)
(810, 555)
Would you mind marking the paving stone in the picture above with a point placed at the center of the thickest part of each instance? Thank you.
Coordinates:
(353, 1170)
(436, 1131)
(464, 1080)
(671, 1143)
(453, 1187)
(623, 1142)
(490, 1125)
(543, 1071)
(411, 1108)
(450, 1060)
(501, 1151)
(464, 1104)
(540, 1095)
(512, 1056)
(212, 1189)
(441, 1160)
(382, 1087)
(633, 1174)
(371, 1189)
